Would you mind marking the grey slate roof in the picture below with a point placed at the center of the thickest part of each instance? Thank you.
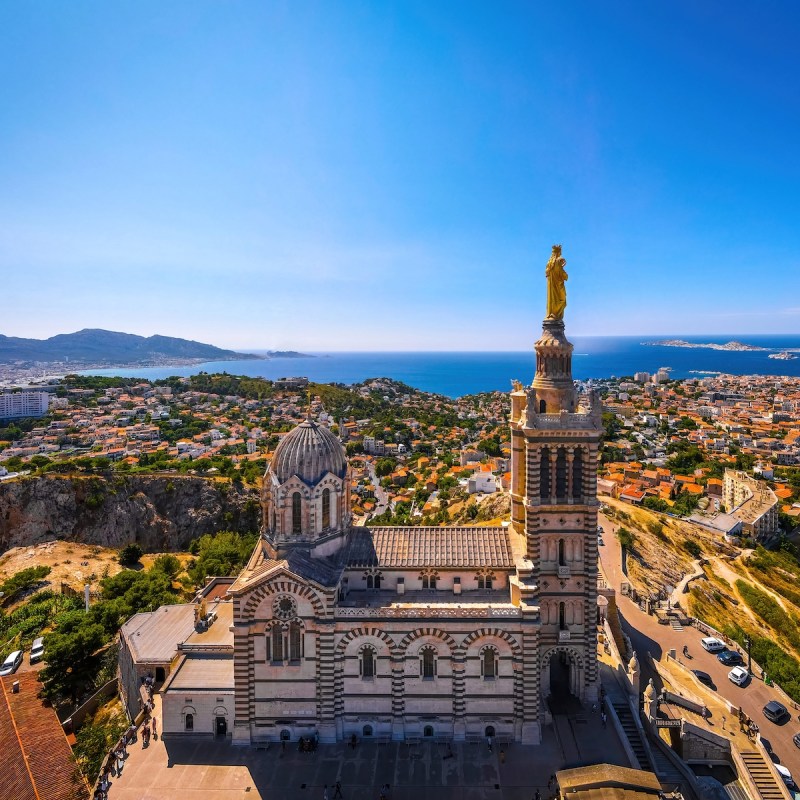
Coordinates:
(429, 547)
(154, 636)
(309, 451)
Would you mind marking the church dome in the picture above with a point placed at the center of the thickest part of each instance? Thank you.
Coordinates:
(309, 451)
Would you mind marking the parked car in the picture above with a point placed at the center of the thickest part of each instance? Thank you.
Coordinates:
(11, 664)
(730, 658)
(786, 775)
(739, 675)
(776, 712)
(712, 644)
(704, 677)
(37, 650)
(796, 739)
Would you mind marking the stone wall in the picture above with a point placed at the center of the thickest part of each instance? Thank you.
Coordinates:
(160, 512)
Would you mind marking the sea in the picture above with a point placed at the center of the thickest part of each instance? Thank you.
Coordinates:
(458, 373)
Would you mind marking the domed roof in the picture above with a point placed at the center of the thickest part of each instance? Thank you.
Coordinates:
(309, 451)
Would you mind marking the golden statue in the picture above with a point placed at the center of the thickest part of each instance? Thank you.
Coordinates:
(556, 291)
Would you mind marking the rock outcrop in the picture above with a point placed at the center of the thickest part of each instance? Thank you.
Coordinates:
(160, 512)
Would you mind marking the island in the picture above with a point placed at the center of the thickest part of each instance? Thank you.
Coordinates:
(729, 346)
(785, 356)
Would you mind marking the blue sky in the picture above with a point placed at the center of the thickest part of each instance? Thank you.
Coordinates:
(377, 175)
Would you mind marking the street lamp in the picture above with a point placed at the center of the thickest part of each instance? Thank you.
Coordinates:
(749, 657)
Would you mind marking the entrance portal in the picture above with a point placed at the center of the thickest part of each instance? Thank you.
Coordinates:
(221, 728)
(562, 680)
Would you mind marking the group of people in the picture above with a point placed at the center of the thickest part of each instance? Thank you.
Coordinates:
(308, 744)
(746, 725)
(116, 759)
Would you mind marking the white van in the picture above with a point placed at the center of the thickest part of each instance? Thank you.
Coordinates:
(37, 649)
(11, 664)
(712, 644)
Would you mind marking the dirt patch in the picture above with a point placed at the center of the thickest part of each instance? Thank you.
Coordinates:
(71, 563)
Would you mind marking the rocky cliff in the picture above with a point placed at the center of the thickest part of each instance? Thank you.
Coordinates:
(161, 513)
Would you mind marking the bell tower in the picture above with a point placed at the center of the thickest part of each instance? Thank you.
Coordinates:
(555, 440)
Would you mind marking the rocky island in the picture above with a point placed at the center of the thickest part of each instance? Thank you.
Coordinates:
(730, 346)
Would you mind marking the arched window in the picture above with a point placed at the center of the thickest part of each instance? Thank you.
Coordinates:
(277, 643)
(489, 663)
(189, 722)
(561, 473)
(295, 641)
(542, 407)
(366, 730)
(297, 513)
(370, 581)
(427, 663)
(367, 663)
(377, 581)
(562, 616)
(544, 472)
(577, 475)
(561, 558)
(326, 509)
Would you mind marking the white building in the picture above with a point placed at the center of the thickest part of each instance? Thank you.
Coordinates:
(14, 405)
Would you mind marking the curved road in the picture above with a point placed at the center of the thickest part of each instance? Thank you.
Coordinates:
(648, 636)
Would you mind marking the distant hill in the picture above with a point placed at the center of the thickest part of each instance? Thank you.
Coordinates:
(96, 346)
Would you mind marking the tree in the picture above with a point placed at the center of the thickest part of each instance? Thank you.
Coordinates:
(385, 466)
(626, 538)
(130, 554)
(167, 563)
(72, 656)
(223, 554)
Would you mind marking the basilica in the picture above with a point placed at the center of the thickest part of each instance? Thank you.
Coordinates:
(333, 630)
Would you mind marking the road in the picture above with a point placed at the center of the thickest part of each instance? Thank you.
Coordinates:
(648, 636)
(381, 496)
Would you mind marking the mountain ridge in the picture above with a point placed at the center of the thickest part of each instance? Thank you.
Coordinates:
(98, 345)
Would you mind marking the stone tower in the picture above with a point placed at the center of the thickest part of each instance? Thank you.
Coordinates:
(555, 438)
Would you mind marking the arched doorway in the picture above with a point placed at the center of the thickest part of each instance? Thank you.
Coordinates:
(366, 731)
(489, 731)
(221, 726)
(562, 680)
(428, 730)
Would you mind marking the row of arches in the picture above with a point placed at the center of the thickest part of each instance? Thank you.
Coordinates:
(561, 472)
(428, 662)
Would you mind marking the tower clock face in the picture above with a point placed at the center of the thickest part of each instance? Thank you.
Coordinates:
(284, 607)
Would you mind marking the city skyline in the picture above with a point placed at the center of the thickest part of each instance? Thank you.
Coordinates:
(331, 177)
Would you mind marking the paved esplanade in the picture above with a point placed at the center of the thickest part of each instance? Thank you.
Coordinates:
(203, 769)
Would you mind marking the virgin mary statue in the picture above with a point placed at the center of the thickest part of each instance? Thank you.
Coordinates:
(556, 291)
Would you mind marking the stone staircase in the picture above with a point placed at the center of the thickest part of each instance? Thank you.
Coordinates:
(763, 775)
(631, 731)
(675, 623)
(667, 772)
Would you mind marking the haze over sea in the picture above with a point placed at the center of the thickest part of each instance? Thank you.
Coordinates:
(458, 373)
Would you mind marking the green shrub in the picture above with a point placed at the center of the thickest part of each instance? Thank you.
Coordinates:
(130, 554)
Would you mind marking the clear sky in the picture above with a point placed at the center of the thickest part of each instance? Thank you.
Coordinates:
(377, 175)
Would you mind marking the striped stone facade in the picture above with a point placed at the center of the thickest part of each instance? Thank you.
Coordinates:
(445, 632)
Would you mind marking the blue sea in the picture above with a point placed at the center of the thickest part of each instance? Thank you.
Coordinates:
(458, 373)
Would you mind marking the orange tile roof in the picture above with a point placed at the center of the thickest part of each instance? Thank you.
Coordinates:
(37, 760)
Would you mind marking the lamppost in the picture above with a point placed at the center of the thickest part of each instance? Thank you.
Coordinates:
(749, 657)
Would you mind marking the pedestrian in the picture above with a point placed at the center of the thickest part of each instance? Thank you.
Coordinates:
(489, 743)
(603, 718)
(338, 792)
(502, 756)
(153, 723)
(538, 795)
(325, 792)
(353, 741)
